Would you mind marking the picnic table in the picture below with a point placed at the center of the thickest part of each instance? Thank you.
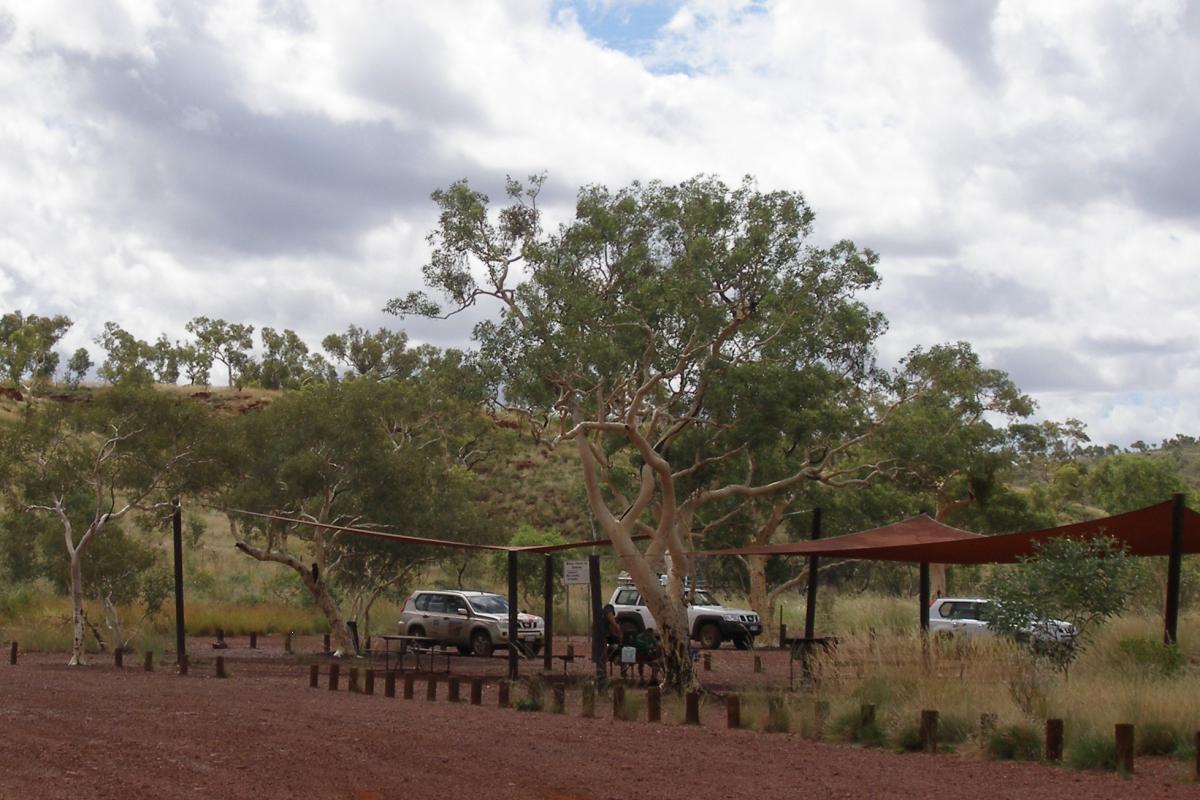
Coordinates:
(417, 645)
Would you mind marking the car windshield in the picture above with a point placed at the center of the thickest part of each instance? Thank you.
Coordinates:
(703, 598)
(490, 604)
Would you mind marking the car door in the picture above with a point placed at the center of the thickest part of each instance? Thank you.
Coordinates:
(435, 616)
(455, 621)
(972, 623)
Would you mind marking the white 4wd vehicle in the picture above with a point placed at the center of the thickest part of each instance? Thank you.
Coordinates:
(967, 616)
(709, 622)
(474, 622)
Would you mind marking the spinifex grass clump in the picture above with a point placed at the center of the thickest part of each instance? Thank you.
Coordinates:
(852, 726)
(535, 695)
(1092, 750)
(1020, 742)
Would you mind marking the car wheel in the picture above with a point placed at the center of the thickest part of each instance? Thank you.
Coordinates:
(710, 636)
(743, 642)
(481, 643)
(416, 630)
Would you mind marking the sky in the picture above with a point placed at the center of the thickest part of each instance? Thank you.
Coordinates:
(1027, 171)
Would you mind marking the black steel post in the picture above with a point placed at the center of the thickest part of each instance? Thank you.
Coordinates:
(548, 642)
(924, 597)
(1174, 565)
(177, 531)
(597, 617)
(512, 615)
(810, 609)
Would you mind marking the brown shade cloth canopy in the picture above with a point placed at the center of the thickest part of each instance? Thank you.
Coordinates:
(1145, 532)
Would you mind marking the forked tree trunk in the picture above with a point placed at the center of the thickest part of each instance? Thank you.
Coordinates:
(78, 656)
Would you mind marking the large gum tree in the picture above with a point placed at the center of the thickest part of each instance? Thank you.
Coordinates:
(672, 334)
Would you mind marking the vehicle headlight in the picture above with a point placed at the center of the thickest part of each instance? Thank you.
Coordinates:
(731, 618)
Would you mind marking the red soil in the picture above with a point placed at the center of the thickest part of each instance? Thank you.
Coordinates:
(98, 732)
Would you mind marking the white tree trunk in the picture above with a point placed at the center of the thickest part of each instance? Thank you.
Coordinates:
(78, 656)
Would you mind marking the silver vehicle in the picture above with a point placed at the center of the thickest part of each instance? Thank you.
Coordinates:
(709, 622)
(967, 616)
(474, 622)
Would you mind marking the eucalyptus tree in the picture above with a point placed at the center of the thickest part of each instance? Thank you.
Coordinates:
(379, 355)
(226, 342)
(72, 461)
(77, 367)
(128, 359)
(668, 331)
(27, 354)
(388, 454)
(287, 363)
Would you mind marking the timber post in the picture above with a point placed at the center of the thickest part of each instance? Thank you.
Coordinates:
(148, 664)
(221, 673)
(513, 640)
(929, 731)
(1174, 567)
(389, 683)
(692, 712)
(431, 688)
(334, 670)
(597, 618)
(548, 615)
(369, 688)
(408, 687)
(733, 711)
(1054, 740)
(177, 541)
(12, 654)
(1123, 733)
(476, 691)
(810, 608)
(314, 676)
(653, 704)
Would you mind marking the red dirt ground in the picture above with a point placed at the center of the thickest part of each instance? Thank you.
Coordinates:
(97, 732)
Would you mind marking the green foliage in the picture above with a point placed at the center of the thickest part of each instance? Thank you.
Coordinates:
(530, 566)
(1081, 581)
(1019, 742)
(849, 726)
(128, 359)
(1130, 481)
(27, 346)
(226, 342)
(1092, 750)
(1149, 654)
(77, 367)
(381, 355)
(287, 364)
(1157, 739)
(907, 738)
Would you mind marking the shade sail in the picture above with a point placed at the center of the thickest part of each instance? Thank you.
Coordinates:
(1145, 532)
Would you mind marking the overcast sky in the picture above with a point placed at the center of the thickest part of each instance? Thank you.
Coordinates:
(1028, 170)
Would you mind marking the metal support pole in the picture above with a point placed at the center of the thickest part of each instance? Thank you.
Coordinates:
(810, 609)
(924, 597)
(548, 642)
(512, 615)
(597, 618)
(1174, 565)
(177, 531)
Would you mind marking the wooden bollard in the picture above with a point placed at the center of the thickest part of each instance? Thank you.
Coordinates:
(560, 700)
(692, 711)
(987, 722)
(1196, 766)
(334, 671)
(408, 687)
(221, 673)
(431, 689)
(502, 700)
(253, 640)
(369, 687)
(708, 662)
(476, 691)
(733, 711)
(118, 658)
(588, 701)
(314, 676)
(326, 643)
(354, 680)
(452, 692)
(929, 731)
(782, 635)
(618, 700)
(1054, 740)
(820, 715)
(287, 642)
(866, 713)
(389, 684)
(758, 664)
(183, 664)
(220, 645)
(148, 663)
(1124, 736)
(653, 704)
(12, 654)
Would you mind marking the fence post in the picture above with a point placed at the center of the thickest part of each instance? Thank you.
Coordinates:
(287, 643)
(653, 704)
(758, 664)
(618, 700)
(476, 691)
(560, 700)
(12, 654)
(221, 639)
(1124, 736)
(334, 670)
(692, 713)
(149, 662)
(253, 640)
(370, 687)
(389, 684)
(183, 664)
(588, 709)
(929, 731)
(119, 657)
(1054, 740)
(503, 700)
(1196, 746)
(221, 667)
(733, 711)
(452, 692)
(314, 676)
(354, 680)
(431, 689)
(408, 687)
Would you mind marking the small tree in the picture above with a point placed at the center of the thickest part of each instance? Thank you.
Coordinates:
(77, 367)
(530, 566)
(227, 342)
(27, 347)
(128, 359)
(1082, 581)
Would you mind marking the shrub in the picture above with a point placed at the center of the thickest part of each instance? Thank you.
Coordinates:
(779, 716)
(908, 738)
(954, 729)
(1166, 659)
(1092, 751)
(1157, 739)
(850, 727)
(1014, 743)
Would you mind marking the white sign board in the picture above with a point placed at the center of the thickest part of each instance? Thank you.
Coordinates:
(575, 573)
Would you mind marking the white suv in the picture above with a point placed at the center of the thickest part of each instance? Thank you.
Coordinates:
(709, 622)
(474, 622)
(967, 616)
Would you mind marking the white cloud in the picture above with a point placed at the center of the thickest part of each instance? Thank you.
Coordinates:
(1026, 170)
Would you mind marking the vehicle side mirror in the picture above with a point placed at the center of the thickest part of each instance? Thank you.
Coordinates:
(462, 612)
